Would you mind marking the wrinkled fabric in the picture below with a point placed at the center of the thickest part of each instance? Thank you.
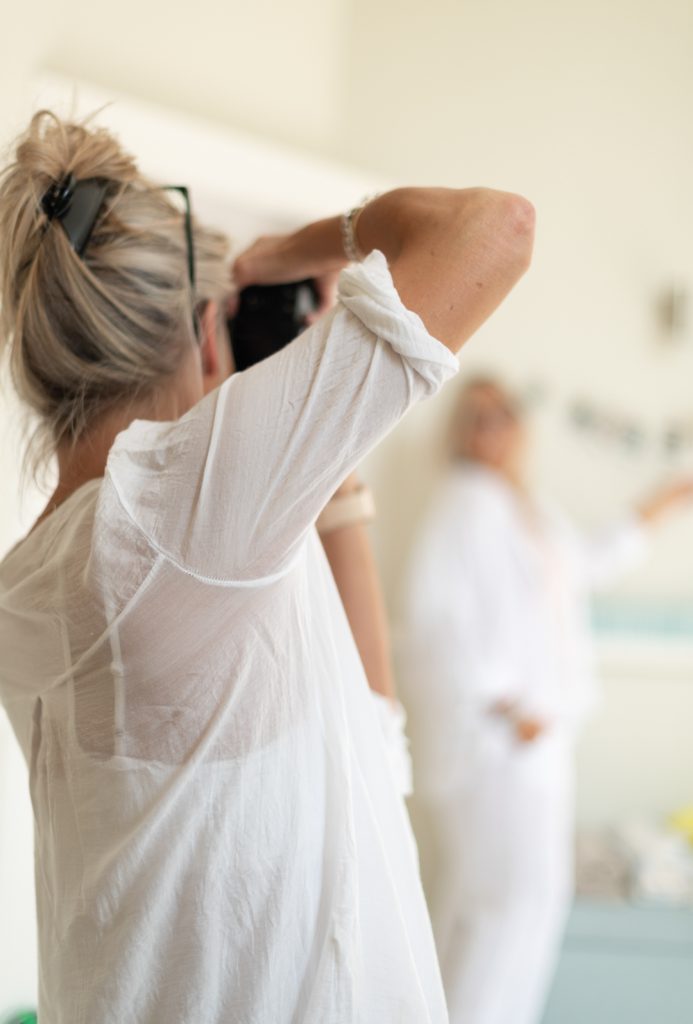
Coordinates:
(393, 721)
(218, 836)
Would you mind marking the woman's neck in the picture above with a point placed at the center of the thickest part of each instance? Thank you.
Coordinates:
(85, 459)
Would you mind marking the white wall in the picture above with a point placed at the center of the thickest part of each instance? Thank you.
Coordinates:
(636, 759)
(274, 68)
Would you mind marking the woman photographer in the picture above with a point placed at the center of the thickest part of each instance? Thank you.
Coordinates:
(217, 834)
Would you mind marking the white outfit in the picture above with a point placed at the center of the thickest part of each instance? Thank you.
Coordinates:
(497, 612)
(218, 836)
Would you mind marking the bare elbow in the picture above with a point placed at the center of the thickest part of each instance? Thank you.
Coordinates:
(522, 216)
(506, 220)
(519, 222)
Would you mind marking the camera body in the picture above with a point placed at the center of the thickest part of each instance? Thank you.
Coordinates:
(268, 318)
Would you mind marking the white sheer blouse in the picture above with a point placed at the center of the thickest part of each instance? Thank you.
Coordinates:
(218, 837)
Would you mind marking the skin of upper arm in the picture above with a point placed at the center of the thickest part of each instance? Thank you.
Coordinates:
(350, 554)
(463, 251)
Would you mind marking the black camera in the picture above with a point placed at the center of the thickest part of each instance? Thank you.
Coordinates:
(268, 318)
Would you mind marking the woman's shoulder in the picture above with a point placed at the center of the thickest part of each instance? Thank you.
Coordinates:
(153, 463)
(52, 535)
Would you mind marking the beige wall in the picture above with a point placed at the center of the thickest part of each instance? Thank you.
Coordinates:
(273, 67)
(586, 109)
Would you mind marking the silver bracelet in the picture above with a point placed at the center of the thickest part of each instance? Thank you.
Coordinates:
(349, 243)
(351, 249)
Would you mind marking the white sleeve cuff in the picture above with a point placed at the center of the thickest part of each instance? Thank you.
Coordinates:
(392, 718)
(366, 289)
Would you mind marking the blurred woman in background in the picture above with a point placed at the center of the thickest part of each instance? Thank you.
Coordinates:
(498, 678)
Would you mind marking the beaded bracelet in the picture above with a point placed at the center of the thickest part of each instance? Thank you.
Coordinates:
(348, 225)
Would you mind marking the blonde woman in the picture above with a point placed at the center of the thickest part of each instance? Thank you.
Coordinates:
(499, 680)
(218, 836)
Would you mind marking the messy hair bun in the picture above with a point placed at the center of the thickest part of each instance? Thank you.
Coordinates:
(86, 333)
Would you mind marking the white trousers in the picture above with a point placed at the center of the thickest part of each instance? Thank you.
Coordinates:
(504, 878)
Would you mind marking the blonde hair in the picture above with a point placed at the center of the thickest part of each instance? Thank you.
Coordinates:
(88, 333)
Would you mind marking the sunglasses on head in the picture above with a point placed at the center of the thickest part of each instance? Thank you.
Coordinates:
(77, 205)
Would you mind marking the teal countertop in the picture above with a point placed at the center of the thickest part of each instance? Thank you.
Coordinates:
(624, 964)
(655, 619)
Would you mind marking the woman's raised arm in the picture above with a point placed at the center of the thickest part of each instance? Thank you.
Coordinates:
(454, 254)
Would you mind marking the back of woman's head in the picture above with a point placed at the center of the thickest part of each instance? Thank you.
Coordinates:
(87, 333)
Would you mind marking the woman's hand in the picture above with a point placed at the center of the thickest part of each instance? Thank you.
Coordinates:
(526, 727)
(666, 499)
(527, 730)
(313, 252)
(277, 259)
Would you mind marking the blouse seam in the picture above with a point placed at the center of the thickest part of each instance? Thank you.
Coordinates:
(215, 581)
